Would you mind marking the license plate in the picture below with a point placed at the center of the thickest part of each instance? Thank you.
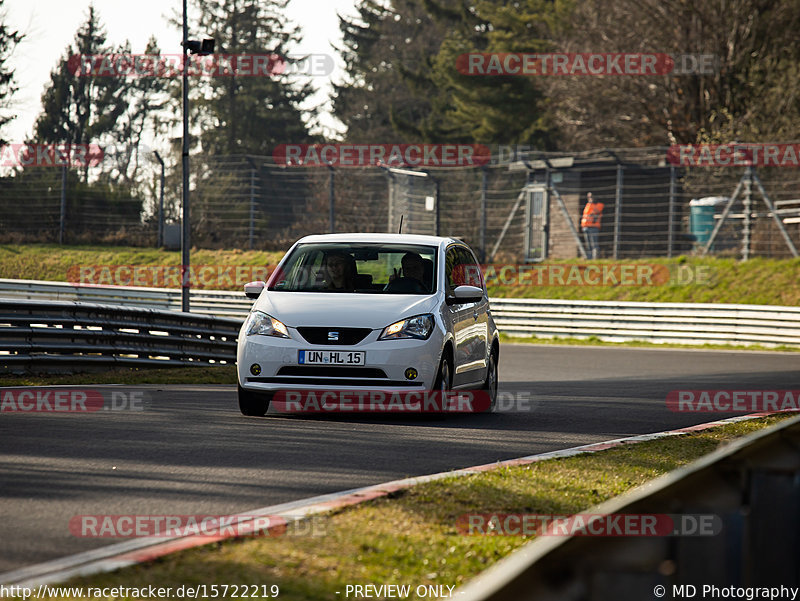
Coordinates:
(331, 357)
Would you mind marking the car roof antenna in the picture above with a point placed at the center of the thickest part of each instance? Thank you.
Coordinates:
(400, 229)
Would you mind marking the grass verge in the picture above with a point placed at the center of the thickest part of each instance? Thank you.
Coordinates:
(61, 263)
(412, 538)
(690, 279)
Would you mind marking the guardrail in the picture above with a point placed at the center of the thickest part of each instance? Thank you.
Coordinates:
(206, 302)
(612, 321)
(752, 486)
(676, 323)
(60, 336)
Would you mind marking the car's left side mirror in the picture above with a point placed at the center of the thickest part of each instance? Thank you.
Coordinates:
(253, 289)
(465, 294)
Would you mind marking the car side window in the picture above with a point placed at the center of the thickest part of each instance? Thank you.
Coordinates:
(451, 263)
(472, 271)
(462, 269)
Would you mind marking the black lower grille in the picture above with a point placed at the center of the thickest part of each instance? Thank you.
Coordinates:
(298, 383)
(344, 336)
(331, 371)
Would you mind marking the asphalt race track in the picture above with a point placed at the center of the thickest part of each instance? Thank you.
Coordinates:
(192, 452)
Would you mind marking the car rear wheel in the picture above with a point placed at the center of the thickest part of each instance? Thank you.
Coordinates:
(254, 403)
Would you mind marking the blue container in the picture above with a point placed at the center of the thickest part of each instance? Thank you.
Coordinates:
(701, 220)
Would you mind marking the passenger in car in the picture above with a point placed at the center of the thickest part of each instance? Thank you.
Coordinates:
(413, 267)
(339, 271)
(412, 279)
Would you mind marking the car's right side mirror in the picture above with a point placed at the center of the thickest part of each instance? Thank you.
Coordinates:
(253, 289)
(465, 294)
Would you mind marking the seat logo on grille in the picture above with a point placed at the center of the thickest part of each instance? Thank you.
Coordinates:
(333, 336)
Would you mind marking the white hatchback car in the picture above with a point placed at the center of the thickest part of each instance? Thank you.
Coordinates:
(350, 312)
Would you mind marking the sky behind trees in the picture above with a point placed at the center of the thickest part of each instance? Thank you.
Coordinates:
(50, 25)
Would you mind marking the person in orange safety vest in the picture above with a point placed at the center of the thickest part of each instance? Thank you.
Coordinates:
(590, 223)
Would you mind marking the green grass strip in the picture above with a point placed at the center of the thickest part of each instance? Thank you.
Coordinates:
(411, 537)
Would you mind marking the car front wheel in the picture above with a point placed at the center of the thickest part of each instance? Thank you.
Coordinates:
(254, 403)
(444, 377)
(490, 385)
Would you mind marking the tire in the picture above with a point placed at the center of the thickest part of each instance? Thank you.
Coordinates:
(444, 378)
(255, 404)
(442, 384)
(490, 384)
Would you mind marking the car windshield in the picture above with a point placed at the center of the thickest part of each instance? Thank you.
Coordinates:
(358, 268)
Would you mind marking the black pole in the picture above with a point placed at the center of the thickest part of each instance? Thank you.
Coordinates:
(484, 190)
(331, 198)
(252, 232)
(185, 230)
(438, 213)
(160, 237)
(63, 218)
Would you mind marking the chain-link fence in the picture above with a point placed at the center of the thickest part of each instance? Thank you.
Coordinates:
(522, 206)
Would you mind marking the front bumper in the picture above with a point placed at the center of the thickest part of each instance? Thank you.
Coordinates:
(386, 362)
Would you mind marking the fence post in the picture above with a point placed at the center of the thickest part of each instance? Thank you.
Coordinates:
(484, 189)
(438, 214)
(748, 207)
(252, 205)
(618, 211)
(331, 199)
(671, 222)
(63, 217)
(160, 236)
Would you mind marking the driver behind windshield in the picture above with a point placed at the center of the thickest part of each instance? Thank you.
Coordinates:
(338, 271)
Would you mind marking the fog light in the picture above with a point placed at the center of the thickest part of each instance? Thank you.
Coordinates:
(411, 374)
(255, 369)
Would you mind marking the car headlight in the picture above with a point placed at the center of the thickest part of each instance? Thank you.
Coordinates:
(265, 325)
(419, 327)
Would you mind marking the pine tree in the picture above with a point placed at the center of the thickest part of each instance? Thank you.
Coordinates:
(8, 41)
(248, 114)
(79, 108)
